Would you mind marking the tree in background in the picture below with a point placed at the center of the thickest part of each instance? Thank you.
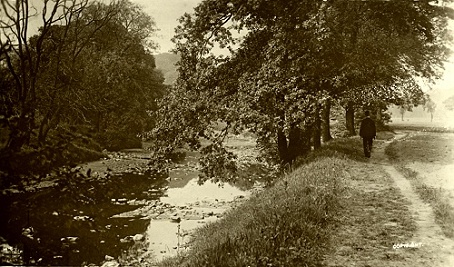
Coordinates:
(430, 107)
(23, 63)
(449, 103)
(113, 74)
(383, 47)
(291, 60)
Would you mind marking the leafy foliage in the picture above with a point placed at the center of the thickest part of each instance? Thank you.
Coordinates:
(89, 68)
(285, 60)
(65, 148)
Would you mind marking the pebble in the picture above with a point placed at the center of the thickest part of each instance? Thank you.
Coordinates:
(111, 264)
(109, 258)
(138, 237)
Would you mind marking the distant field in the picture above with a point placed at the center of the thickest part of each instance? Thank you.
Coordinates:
(424, 124)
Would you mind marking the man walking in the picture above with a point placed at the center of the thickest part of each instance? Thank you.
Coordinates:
(368, 133)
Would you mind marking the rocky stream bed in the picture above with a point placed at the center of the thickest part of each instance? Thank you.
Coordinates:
(115, 213)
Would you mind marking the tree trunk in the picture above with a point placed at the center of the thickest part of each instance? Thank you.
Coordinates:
(43, 130)
(316, 131)
(379, 116)
(282, 146)
(299, 142)
(294, 143)
(350, 119)
(326, 132)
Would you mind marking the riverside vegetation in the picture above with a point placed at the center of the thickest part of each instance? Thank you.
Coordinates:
(255, 233)
(312, 198)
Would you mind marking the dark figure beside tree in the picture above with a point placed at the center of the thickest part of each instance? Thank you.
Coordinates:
(368, 133)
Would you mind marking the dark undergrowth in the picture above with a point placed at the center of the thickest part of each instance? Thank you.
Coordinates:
(33, 162)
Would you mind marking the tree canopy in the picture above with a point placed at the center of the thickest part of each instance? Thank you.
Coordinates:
(286, 59)
(89, 70)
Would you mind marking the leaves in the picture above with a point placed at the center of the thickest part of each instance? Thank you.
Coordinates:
(94, 74)
(290, 58)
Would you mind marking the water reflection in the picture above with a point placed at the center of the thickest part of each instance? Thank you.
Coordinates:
(70, 226)
(192, 192)
(74, 224)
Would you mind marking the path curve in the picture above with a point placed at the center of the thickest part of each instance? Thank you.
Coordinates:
(428, 233)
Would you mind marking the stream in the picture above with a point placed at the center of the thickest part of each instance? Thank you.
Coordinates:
(100, 220)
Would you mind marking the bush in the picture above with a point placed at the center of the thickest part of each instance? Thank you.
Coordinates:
(63, 148)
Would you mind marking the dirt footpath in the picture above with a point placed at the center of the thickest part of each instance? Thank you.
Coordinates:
(385, 223)
(428, 232)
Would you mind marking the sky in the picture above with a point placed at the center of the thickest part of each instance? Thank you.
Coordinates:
(166, 14)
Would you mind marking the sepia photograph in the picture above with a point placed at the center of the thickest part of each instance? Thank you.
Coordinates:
(230, 133)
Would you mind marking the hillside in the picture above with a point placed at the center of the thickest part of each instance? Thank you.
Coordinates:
(166, 62)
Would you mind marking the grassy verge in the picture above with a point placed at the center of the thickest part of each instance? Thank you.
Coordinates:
(289, 224)
(423, 128)
(422, 148)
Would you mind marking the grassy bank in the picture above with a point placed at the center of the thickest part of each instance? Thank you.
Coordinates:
(424, 148)
(289, 224)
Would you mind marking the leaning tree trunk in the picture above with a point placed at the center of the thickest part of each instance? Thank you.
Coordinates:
(350, 119)
(326, 110)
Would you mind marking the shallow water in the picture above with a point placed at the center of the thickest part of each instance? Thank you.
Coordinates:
(73, 224)
(83, 213)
